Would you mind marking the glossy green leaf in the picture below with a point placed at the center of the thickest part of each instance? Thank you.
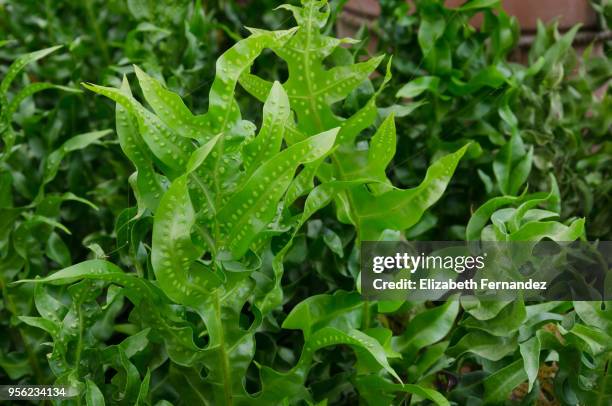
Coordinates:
(499, 384)
(340, 310)
(169, 107)
(147, 184)
(75, 143)
(311, 87)
(374, 387)
(479, 4)
(482, 215)
(171, 149)
(552, 230)
(28, 91)
(507, 321)
(485, 345)
(418, 86)
(268, 142)
(253, 207)
(222, 110)
(490, 77)
(93, 396)
(401, 209)
(382, 149)
(18, 65)
(530, 351)
(512, 165)
(427, 328)
(173, 251)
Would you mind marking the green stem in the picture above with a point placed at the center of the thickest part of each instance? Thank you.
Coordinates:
(365, 322)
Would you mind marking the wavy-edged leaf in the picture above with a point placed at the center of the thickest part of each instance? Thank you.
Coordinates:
(310, 86)
(30, 90)
(506, 322)
(479, 4)
(382, 149)
(93, 395)
(512, 165)
(250, 210)
(294, 379)
(426, 328)
(552, 200)
(549, 229)
(401, 209)
(75, 143)
(589, 339)
(481, 216)
(172, 150)
(489, 77)
(376, 390)
(98, 269)
(339, 310)
(223, 110)
(173, 253)
(329, 336)
(530, 352)
(485, 345)
(499, 384)
(594, 315)
(255, 86)
(149, 300)
(268, 141)
(19, 64)
(170, 108)
(417, 86)
(147, 185)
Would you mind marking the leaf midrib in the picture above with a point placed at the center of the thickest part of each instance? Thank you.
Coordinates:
(307, 57)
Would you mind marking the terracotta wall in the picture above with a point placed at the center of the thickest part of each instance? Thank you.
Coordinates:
(527, 12)
(568, 12)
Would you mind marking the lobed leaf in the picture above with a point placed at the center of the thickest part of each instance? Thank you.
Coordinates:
(171, 149)
(276, 113)
(170, 108)
(401, 209)
(147, 185)
(251, 208)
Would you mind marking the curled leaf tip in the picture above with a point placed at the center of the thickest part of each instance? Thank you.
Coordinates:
(90, 86)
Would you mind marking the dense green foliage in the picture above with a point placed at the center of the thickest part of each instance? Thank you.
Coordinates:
(462, 85)
(205, 250)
